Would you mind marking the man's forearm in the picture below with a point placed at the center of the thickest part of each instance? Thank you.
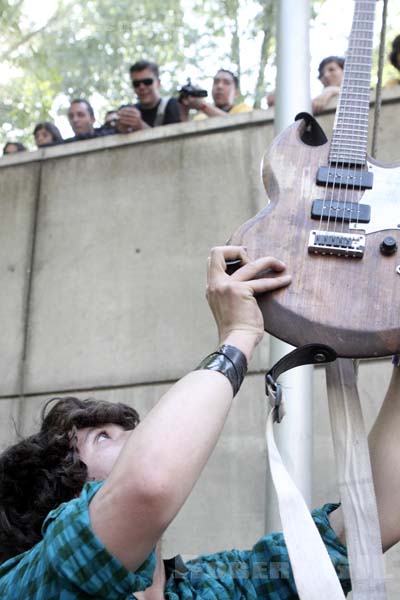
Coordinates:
(159, 465)
(384, 444)
(213, 111)
(164, 456)
(173, 443)
(384, 448)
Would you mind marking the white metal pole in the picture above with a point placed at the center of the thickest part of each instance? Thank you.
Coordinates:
(294, 433)
(293, 61)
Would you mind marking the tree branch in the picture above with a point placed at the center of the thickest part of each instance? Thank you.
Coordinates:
(267, 27)
(21, 42)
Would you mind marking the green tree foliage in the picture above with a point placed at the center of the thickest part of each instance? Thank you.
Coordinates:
(85, 49)
(266, 24)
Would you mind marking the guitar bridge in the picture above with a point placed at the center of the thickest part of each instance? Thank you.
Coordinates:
(339, 244)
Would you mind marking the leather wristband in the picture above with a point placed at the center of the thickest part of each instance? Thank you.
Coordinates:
(396, 360)
(229, 361)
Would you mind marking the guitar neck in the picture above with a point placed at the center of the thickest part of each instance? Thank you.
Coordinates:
(350, 130)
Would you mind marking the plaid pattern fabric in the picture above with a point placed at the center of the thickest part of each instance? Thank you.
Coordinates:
(71, 563)
(263, 572)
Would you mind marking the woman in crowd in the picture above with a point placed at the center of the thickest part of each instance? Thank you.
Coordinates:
(47, 134)
(12, 147)
(330, 74)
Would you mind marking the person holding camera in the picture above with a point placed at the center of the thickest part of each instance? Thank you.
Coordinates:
(151, 110)
(224, 92)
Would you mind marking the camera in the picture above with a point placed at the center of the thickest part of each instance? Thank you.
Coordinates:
(191, 90)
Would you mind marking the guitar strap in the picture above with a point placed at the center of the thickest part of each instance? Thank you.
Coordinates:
(354, 473)
(312, 568)
(162, 105)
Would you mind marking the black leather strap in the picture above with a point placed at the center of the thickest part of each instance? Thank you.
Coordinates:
(229, 361)
(310, 354)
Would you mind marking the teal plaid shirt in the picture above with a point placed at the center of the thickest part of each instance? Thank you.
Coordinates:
(71, 563)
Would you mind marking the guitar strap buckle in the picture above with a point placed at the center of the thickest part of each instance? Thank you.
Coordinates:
(274, 391)
(309, 354)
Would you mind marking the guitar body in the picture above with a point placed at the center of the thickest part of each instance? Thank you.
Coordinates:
(350, 304)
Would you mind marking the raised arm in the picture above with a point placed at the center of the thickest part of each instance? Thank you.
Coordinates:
(320, 103)
(384, 447)
(384, 444)
(205, 107)
(165, 454)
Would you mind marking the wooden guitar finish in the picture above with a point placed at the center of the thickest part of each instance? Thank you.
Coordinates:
(350, 304)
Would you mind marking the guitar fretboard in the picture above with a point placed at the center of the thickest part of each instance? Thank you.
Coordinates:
(350, 130)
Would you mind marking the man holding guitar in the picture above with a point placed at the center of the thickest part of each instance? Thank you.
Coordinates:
(103, 542)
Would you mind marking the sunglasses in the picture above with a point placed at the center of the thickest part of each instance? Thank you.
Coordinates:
(145, 81)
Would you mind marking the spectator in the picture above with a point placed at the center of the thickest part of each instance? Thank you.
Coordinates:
(271, 98)
(330, 72)
(110, 122)
(81, 118)
(151, 110)
(111, 118)
(394, 58)
(225, 90)
(47, 134)
(12, 147)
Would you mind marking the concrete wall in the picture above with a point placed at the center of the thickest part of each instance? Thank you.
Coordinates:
(103, 246)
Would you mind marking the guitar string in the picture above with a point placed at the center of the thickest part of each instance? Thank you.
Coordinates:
(361, 60)
(332, 168)
(354, 91)
(333, 162)
(336, 148)
(363, 54)
(365, 103)
(349, 123)
(355, 58)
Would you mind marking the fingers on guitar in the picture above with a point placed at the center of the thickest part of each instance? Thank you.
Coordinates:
(262, 274)
(269, 283)
(220, 255)
(256, 268)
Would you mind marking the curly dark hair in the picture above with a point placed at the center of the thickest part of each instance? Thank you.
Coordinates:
(40, 472)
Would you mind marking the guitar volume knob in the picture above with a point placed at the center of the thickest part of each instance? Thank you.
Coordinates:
(388, 246)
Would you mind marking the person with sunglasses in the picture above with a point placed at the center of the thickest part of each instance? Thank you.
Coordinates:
(151, 110)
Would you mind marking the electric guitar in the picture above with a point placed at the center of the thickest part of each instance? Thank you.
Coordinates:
(334, 218)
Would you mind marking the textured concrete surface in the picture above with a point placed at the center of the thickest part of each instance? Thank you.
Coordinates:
(226, 507)
(18, 189)
(116, 308)
(116, 256)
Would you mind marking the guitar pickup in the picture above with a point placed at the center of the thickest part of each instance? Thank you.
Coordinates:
(345, 212)
(338, 244)
(359, 179)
